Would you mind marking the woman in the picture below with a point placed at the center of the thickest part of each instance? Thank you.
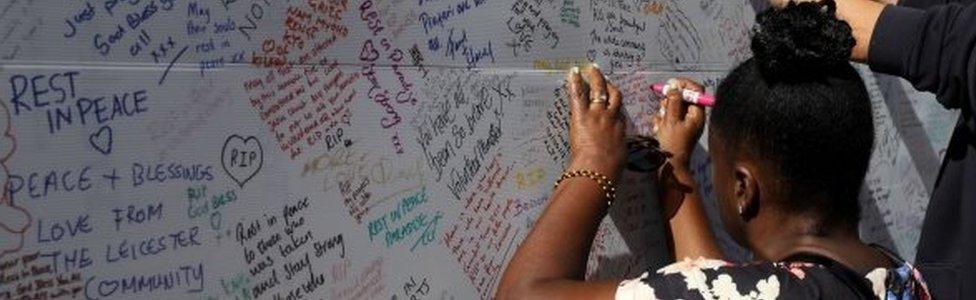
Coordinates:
(790, 139)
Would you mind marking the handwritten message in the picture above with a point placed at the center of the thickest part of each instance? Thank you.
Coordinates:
(618, 34)
(461, 126)
(484, 234)
(403, 222)
(30, 277)
(278, 249)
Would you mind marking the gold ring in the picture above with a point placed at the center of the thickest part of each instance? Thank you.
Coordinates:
(601, 99)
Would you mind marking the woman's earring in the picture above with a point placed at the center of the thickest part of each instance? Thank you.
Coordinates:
(740, 211)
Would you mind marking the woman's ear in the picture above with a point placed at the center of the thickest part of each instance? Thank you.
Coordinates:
(746, 192)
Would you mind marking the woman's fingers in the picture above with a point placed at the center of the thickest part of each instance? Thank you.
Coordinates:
(599, 98)
(577, 91)
(695, 116)
(596, 133)
(680, 108)
(674, 112)
(662, 108)
(616, 99)
(656, 123)
(688, 84)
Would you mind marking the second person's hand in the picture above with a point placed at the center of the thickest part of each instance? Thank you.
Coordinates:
(782, 3)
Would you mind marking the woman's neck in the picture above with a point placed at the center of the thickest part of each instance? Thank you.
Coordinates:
(797, 236)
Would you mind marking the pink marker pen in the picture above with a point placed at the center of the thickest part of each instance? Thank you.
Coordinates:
(690, 96)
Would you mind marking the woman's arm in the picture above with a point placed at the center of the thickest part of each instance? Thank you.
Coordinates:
(689, 232)
(551, 262)
(678, 131)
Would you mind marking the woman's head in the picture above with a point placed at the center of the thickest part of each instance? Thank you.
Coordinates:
(792, 132)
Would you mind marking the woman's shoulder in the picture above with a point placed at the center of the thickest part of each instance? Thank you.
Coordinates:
(718, 279)
(711, 279)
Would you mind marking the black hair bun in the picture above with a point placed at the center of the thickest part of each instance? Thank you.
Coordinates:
(801, 40)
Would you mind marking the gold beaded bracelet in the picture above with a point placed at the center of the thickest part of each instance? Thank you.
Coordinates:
(606, 185)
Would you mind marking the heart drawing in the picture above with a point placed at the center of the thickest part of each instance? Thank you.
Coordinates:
(101, 140)
(242, 158)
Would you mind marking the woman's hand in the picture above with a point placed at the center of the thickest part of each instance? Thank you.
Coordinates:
(551, 262)
(679, 124)
(596, 127)
(678, 127)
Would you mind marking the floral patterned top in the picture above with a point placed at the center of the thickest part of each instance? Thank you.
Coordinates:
(716, 279)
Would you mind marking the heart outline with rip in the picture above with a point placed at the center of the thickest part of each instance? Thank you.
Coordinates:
(243, 143)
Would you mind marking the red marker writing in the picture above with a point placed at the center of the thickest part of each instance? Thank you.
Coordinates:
(690, 96)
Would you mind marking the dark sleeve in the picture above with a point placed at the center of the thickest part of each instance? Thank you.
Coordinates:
(933, 49)
(928, 3)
